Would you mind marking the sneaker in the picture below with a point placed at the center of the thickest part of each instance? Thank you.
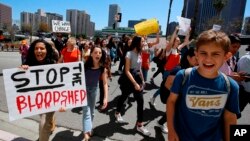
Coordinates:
(143, 130)
(152, 101)
(163, 127)
(119, 118)
(152, 69)
(152, 81)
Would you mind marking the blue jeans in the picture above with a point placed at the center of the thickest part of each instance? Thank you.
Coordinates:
(88, 111)
(145, 74)
(165, 75)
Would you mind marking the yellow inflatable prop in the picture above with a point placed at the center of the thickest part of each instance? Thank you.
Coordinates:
(147, 27)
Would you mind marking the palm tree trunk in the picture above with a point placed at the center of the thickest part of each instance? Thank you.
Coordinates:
(193, 24)
(169, 11)
(183, 13)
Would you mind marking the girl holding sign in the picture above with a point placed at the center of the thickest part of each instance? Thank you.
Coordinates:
(173, 56)
(41, 53)
(94, 69)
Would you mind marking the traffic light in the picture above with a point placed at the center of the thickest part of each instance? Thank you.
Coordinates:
(118, 17)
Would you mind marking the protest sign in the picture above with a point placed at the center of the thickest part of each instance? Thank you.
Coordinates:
(216, 27)
(61, 26)
(184, 25)
(45, 88)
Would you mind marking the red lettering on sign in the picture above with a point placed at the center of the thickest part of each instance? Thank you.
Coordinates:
(49, 98)
(20, 101)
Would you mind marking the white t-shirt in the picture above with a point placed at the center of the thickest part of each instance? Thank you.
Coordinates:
(244, 66)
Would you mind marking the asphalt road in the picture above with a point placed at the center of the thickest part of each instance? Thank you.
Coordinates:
(104, 123)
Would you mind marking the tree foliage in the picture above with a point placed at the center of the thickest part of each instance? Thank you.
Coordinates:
(219, 5)
(234, 26)
(247, 28)
(26, 28)
(210, 22)
(43, 27)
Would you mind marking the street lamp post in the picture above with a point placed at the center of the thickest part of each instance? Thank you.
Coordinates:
(169, 11)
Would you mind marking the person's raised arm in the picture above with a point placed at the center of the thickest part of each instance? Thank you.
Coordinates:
(186, 40)
(157, 41)
(172, 39)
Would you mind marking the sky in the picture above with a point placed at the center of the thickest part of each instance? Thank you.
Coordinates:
(98, 9)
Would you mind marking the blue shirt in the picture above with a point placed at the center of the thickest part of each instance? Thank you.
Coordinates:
(92, 77)
(200, 106)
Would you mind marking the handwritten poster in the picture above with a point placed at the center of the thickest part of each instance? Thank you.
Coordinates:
(216, 27)
(184, 25)
(45, 88)
(61, 26)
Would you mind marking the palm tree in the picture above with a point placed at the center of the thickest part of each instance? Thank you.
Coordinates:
(184, 8)
(219, 5)
(169, 10)
(193, 24)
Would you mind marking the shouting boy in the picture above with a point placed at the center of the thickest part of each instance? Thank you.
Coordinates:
(204, 107)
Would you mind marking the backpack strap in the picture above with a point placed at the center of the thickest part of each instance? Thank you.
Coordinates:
(186, 75)
(227, 82)
(188, 71)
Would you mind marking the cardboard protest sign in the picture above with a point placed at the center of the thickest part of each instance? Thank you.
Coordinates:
(216, 27)
(61, 26)
(184, 25)
(45, 88)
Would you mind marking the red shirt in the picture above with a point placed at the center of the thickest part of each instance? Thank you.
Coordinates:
(70, 56)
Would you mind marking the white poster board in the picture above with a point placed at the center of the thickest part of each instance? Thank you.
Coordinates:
(216, 27)
(184, 25)
(45, 88)
(61, 26)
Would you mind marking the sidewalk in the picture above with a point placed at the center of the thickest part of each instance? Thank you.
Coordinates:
(12, 131)
(6, 136)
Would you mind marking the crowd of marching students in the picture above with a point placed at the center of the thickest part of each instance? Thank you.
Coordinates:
(209, 100)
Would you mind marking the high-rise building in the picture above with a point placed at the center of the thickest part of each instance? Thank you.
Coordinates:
(231, 16)
(5, 16)
(131, 23)
(35, 19)
(27, 19)
(71, 16)
(246, 26)
(91, 29)
(53, 16)
(113, 10)
(171, 28)
(80, 22)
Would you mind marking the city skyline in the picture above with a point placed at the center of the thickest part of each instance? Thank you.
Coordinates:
(98, 10)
